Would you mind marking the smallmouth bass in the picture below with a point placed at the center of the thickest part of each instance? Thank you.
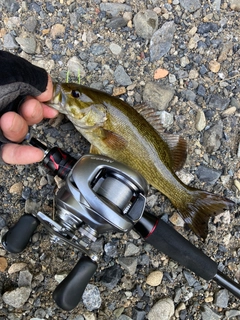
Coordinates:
(117, 130)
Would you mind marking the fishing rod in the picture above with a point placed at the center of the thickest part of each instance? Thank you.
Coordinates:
(100, 196)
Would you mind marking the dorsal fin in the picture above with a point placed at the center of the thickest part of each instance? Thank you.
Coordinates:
(178, 149)
(151, 115)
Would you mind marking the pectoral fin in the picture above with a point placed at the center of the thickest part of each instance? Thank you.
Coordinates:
(114, 140)
(110, 139)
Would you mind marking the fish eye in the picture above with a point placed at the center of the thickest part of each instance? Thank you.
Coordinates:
(75, 94)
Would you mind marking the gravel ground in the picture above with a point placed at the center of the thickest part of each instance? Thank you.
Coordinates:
(181, 57)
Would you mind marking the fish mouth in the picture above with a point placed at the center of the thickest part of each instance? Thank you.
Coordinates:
(59, 98)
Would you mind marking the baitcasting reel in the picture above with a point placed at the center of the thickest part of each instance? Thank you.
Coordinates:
(102, 195)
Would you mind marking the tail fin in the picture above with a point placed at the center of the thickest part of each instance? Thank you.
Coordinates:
(204, 205)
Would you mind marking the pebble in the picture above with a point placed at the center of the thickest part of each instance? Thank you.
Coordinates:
(115, 48)
(27, 43)
(16, 188)
(145, 23)
(91, 297)
(176, 220)
(160, 73)
(208, 314)
(128, 263)
(16, 267)
(17, 298)
(214, 66)
(232, 314)
(221, 298)
(166, 119)
(115, 8)
(157, 96)
(161, 41)
(25, 279)
(116, 22)
(121, 77)
(111, 276)
(154, 279)
(235, 5)
(162, 310)
(212, 137)
(237, 184)
(75, 67)
(190, 5)
(3, 264)
(131, 250)
(57, 31)
(200, 120)
(207, 174)
(9, 42)
(217, 102)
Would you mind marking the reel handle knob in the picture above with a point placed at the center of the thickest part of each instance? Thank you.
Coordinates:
(18, 237)
(69, 292)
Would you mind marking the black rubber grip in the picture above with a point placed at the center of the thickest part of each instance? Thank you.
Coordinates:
(69, 292)
(167, 240)
(18, 237)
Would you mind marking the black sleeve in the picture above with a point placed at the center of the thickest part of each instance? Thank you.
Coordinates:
(19, 78)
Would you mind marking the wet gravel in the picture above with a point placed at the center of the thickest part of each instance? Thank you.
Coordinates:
(182, 58)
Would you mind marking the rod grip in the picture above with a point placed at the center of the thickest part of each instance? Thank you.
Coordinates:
(169, 241)
(69, 292)
(18, 237)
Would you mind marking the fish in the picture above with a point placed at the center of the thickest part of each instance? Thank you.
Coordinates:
(133, 136)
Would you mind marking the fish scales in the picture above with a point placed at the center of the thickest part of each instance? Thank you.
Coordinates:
(117, 130)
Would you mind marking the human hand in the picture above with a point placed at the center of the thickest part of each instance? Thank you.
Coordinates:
(14, 125)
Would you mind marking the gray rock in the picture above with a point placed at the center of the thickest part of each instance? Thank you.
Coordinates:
(97, 49)
(110, 249)
(25, 279)
(122, 77)
(212, 137)
(115, 48)
(232, 314)
(138, 314)
(221, 298)
(207, 174)
(157, 96)
(131, 250)
(190, 5)
(91, 297)
(162, 310)
(161, 41)
(116, 22)
(145, 23)
(28, 44)
(208, 314)
(124, 317)
(30, 24)
(191, 280)
(166, 119)
(17, 297)
(115, 8)
(111, 276)
(128, 263)
(9, 42)
(217, 102)
(75, 67)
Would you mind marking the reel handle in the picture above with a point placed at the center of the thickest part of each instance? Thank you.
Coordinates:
(18, 237)
(69, 292)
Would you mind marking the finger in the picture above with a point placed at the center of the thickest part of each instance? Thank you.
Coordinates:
(13, 126)
(31, 110)
(46, 95)
(19, 154)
